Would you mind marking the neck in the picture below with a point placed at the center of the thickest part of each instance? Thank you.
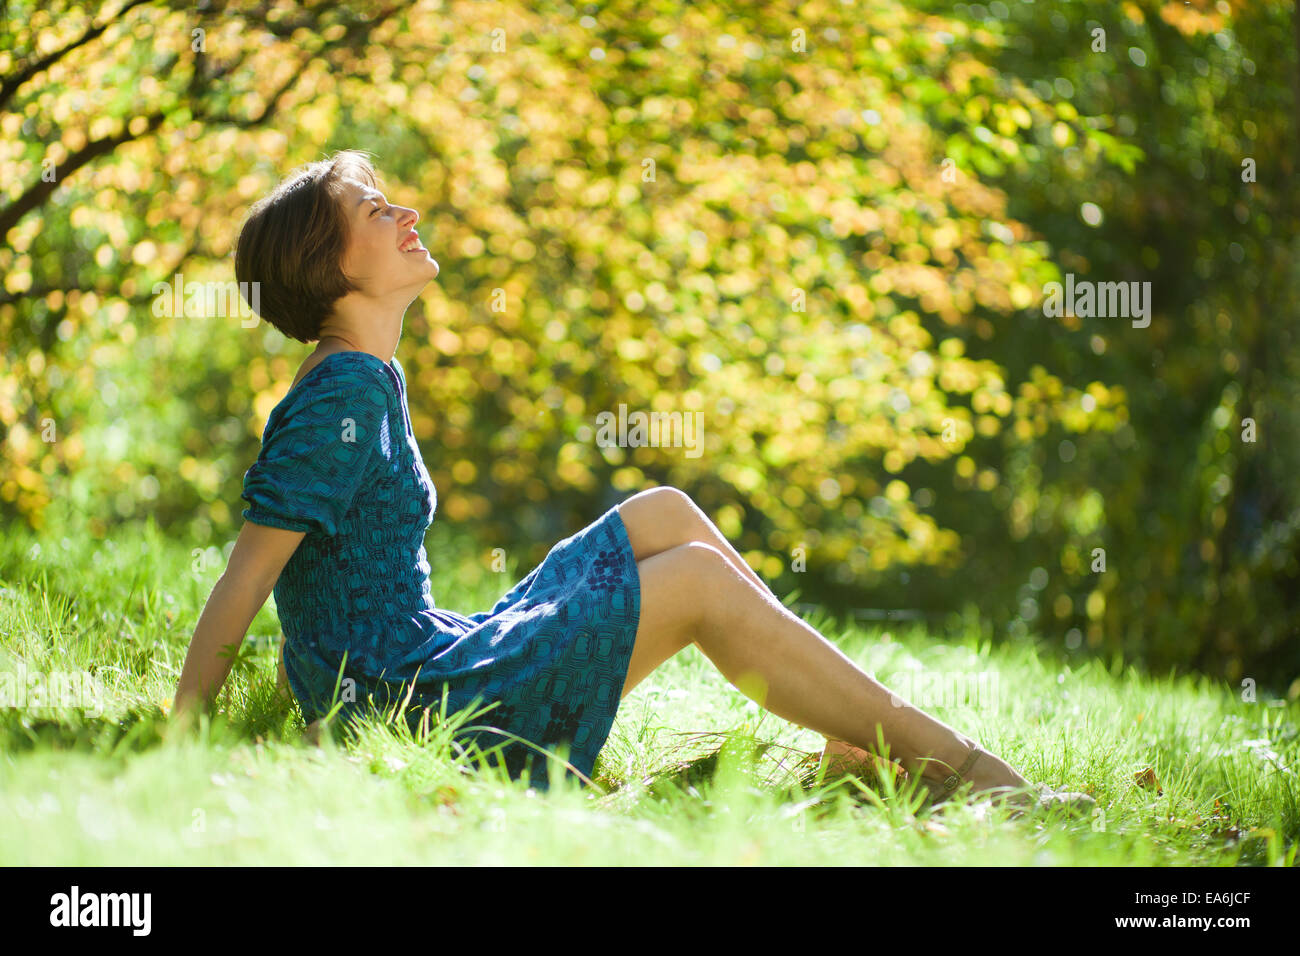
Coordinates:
(364, 329)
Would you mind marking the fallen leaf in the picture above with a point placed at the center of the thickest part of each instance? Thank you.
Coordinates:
(1146, 779)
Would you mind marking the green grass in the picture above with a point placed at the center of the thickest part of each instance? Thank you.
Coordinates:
(695, 773)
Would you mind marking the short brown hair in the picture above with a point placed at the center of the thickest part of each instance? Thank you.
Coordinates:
(292, 245)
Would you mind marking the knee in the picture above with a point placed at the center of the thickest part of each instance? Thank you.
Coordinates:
(705, 571)
(663, 498)
(662, 518)
(674, 507)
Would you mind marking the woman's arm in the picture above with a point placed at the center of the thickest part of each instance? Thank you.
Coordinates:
(259, 555)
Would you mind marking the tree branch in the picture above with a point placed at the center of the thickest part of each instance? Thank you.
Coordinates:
(9, 86)
(38, 193)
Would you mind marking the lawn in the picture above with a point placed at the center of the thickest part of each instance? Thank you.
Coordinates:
(1185, 771)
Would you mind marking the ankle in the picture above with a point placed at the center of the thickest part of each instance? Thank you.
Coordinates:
(940, 765)
(986, 772)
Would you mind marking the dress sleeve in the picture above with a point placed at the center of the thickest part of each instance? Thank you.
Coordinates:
(318, 455)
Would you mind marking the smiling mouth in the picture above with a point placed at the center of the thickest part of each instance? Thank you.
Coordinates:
(412, 244)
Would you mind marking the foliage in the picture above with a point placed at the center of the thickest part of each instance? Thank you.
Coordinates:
(742, 211)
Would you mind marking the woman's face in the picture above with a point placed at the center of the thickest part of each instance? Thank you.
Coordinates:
(384, 254)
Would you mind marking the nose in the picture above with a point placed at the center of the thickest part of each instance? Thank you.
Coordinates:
(414, 216)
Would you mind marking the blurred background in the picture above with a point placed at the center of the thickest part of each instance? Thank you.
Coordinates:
(830, 230)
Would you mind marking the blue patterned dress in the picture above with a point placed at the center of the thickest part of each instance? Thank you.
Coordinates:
(339, 462)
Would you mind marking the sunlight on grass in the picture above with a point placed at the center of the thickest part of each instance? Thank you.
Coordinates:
(693, 773)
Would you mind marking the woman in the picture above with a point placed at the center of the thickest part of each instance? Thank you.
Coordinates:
(339, 502)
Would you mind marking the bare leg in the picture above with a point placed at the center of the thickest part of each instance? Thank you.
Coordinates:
(776, 658)
(665, 518)
(659, 521)
(790, 669)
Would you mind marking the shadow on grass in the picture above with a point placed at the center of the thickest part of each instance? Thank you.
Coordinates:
(137, 730)
(795, 774)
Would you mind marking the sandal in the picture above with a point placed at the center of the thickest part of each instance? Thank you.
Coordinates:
(1046, 798)
(941, 790)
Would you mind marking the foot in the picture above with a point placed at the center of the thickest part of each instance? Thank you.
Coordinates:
(840, 757)
(999, 781)
(987, 773)
(990, 776)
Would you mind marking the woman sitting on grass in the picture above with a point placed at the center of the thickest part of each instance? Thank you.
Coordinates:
(339, 502)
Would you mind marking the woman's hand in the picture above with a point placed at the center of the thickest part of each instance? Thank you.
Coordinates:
(259, 555)
(185, 709)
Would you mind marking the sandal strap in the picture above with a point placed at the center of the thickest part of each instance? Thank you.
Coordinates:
(953, 780)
